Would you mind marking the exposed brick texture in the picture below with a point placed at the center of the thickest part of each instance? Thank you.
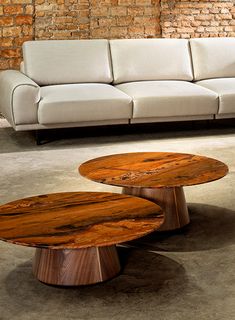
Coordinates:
(124, 19)
(62, 19)
(16, 26)
(22, 20)
(201, 18)
(96, 19)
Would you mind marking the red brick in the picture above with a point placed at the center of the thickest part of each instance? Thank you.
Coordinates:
(23, 20)
(10, 53)
(4, 64)
(6, 21)
(6, 42)
(13, 9)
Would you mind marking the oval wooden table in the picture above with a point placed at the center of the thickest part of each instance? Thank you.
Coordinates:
(75, 233)
(157, 176)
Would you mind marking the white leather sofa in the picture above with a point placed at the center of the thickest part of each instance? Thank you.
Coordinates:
(71, 83)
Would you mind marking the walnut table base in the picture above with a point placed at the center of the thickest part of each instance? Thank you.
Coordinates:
(76, 266)
(171, 200)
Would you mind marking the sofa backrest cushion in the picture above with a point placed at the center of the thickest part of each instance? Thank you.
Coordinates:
(50, 62)
(151, 59)
(213, 57)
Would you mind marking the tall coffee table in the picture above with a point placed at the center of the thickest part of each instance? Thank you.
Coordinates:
(75, 233)
(157, 176)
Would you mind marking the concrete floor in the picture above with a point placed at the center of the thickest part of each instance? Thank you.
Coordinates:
(181, 275)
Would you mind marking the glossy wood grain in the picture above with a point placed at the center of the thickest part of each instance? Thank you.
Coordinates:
(153, 169)
(77, 220)
(74, 267)
(171, 200)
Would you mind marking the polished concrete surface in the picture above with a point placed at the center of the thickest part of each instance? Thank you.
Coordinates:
(181, 275)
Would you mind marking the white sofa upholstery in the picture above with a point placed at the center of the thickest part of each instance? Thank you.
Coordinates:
(151, 59)
(225, 88)
(19, 96)
(69, 83)
(169, 99)
(214, 69)
(60, 62)
(82, 102)
(213, 58)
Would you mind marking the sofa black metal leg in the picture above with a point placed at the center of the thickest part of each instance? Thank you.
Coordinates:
(38, 137)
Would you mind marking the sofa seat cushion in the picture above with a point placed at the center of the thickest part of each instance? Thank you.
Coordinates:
(225, 88)
(170, 98)
(82, 102)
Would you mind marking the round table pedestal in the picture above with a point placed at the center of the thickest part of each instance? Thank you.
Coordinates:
(171, 200)
(72, 267)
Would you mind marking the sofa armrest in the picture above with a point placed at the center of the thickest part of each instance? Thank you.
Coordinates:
(19, 96)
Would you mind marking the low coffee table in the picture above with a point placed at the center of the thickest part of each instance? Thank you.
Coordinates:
(157, 176)
(75, 233)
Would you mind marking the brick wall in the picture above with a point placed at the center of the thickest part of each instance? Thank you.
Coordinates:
(124, 19)
(16, 26)
(22, 20)
(62, 19)
(202, 18)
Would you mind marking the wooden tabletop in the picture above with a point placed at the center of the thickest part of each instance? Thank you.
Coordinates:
(77, 220)
(153, 169)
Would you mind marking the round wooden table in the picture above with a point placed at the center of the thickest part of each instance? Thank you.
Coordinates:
(157, 176)
(75, 233)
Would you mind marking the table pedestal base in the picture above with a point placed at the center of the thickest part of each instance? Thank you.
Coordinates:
(171, 200)
(72, 267)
